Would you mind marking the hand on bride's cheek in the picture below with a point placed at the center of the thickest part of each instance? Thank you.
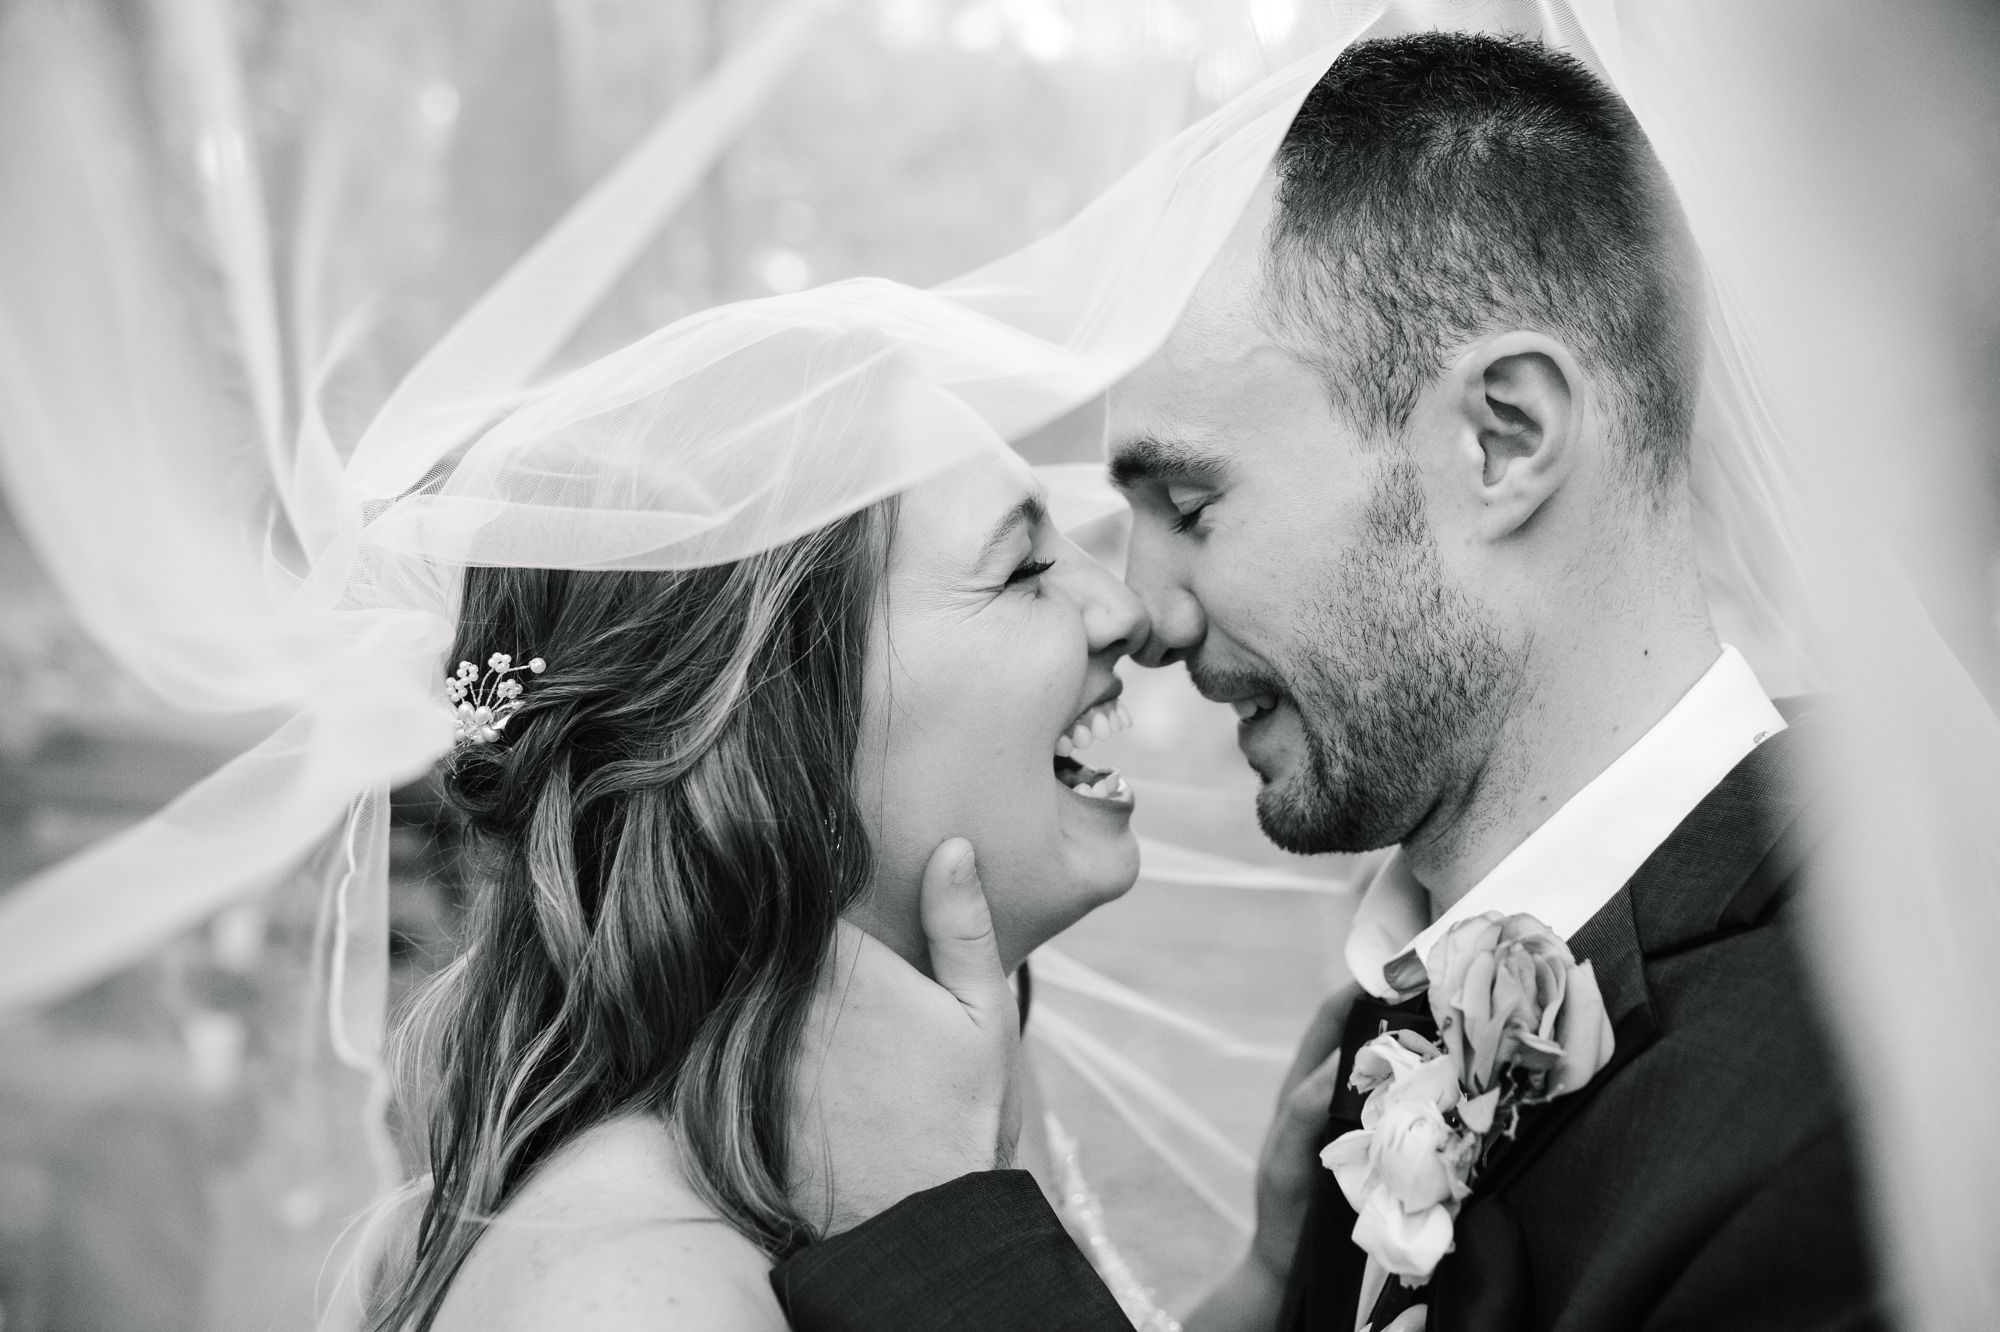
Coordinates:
(993, 635)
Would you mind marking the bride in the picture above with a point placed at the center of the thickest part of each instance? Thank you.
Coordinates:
(712, 769)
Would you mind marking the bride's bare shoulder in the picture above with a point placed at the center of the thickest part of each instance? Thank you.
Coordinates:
(609, 1237)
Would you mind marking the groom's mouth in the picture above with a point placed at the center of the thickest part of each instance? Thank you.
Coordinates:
(1265, 731)
(1254, 708)
(1247, 693)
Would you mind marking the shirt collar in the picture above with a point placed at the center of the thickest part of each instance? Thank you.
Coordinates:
(1578, 859)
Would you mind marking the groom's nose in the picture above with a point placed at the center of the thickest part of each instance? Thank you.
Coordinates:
(1171, 608)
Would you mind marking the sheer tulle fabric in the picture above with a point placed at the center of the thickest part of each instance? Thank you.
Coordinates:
(314, 593)
(243, 565)
(328, 589)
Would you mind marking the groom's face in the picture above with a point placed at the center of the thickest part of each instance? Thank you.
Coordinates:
(1290, 561)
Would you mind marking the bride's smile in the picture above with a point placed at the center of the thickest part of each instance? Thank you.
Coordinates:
(1104, 718)
(990, 681)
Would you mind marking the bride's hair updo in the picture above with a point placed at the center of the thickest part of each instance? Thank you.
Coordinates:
(661, 846)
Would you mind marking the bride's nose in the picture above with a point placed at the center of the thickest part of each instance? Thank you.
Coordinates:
(1113, 618)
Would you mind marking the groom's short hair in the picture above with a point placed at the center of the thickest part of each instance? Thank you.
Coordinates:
(1440, 186)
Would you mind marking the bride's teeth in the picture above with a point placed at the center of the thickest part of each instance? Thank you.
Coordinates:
(1099, 723)
(1111, 786)
(1244, 708)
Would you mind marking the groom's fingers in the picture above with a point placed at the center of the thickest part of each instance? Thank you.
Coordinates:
(965, 956)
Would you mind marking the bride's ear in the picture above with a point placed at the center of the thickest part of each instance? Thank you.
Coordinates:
(1518, 400)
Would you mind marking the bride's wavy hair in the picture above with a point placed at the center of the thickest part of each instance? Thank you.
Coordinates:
(662, 845)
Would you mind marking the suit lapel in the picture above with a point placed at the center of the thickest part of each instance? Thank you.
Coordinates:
(1712, 874)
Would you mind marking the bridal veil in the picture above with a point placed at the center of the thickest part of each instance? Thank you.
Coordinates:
(166, 446)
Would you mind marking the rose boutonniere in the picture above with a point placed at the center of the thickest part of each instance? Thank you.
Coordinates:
(1521, 1022)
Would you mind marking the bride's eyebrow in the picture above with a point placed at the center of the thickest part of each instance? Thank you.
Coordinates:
(1031, 512)
(1163, 462)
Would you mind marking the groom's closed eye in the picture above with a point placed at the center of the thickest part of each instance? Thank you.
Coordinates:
(1189, 503)
(1175, 479)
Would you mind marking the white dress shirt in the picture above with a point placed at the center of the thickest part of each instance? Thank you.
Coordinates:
(1578, 860)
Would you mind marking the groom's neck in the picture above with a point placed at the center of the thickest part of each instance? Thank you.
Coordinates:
(1592, 686)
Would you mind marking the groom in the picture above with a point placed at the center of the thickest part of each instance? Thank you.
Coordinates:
(1410, 486)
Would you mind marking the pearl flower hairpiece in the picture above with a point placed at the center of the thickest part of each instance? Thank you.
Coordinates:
(486, 701)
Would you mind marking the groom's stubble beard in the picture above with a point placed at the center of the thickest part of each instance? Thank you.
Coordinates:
(1400, 681)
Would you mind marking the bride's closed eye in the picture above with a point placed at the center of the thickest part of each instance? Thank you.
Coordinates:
(1029, 571)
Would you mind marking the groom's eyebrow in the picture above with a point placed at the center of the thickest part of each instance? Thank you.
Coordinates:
(1163, 461)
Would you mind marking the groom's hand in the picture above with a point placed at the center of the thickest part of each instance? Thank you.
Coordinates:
(906, 1082)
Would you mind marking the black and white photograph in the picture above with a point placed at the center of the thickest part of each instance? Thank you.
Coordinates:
(999, 666)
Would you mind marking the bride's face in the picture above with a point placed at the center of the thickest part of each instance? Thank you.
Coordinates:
(994, 639)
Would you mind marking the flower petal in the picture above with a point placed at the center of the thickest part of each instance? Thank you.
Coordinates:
(1382, 1059)
(1434, 1081)
(1523, 925)
(1415, 1044)
(1583, 1032)
(1484, 1020)
(1478, 1112)
(1408, 1244)
(1535, 1054)
(1551, 984)
(1408, 1154)
(1347, 1157)
(1451, 955)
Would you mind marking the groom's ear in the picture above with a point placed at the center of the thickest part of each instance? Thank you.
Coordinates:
(1518, 400)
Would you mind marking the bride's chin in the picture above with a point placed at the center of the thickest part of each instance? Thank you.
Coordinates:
(1090, 869)
(1102, 864)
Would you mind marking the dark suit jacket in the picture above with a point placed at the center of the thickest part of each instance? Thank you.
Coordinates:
(1705, 1179)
